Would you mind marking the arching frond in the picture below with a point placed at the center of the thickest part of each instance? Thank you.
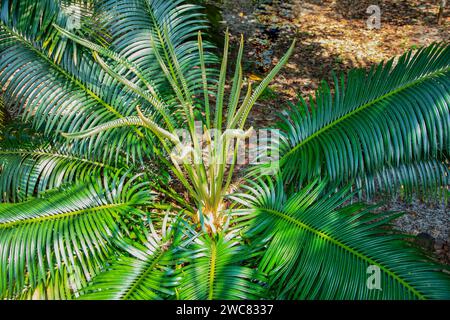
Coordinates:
(58, 99)
(109, 94)
(427, 178)
(34, 19)
(30, 166)
(318, 248)
(216, 270)
(392, 115)
(68, 97)
(173, 26)
(2, 117)
(73, 228)
(148, 272)
(25, 173)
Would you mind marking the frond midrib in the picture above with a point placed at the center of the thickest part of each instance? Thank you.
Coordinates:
(347, 248)
(147, 269)
(363, 107)
(29, 220)
(58, 155)
(212, 270)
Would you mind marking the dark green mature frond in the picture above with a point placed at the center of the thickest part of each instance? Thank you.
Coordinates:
(17, 133)
(216, 270)
(57, 99)
(29, 165)
(392, 115)
(147, 272)
(73, 228)
(173, 26)
(429, 178)
(97, 105)
(44, 90)
(34, 19)
(54, 288)
(132, 278)
(2, 116)
(28, 172)
(68, 97)
(319, 249)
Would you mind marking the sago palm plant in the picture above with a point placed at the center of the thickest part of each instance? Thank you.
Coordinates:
(120, 139)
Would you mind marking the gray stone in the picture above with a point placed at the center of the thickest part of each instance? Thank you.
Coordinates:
(425, 240)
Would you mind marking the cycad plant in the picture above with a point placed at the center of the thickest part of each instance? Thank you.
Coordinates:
(118, 156)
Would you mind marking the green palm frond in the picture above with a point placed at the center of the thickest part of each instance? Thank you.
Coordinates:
(73, 228)
(216, 270)
(148, 272)
(34, 19)
(2, 117)
(392, 115)
(54, 288)
(59, 99)
(318, 248)
(38, 79)
(27, 172)
(90, 108)
(429, 178)
(68, 97)
(173, 26)
(29, 165)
